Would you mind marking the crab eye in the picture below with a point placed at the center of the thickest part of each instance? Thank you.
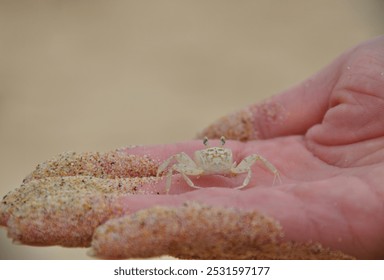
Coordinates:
(205, 141)
(222, 139)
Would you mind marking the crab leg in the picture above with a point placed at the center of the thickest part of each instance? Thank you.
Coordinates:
(161, 169)
(246, 180)
(185, 166)
(189, 181)
(245, 166)
(164, 165)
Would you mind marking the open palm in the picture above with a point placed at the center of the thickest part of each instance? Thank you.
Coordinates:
(326, 138)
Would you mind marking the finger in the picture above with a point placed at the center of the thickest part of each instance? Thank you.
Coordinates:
(291, 112)
(139, 161)
(108, 165)
(205, 230)
(64, 210)
(297, 109)
(325, 211)
(197, 231)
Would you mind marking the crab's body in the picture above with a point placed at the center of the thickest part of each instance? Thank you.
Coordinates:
(212, 160)
(215, 160)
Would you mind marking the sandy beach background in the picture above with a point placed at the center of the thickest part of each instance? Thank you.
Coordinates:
(98, 75)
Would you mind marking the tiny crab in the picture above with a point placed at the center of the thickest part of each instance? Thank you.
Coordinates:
(212, 160)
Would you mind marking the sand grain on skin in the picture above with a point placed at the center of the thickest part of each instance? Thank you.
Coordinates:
(244, 125)
(235, 126)
(64, 199)
(73, 197)
(195, 231)
(109, 165)
(63, 211)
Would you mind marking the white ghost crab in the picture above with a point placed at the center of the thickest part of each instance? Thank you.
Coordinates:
(212, 160)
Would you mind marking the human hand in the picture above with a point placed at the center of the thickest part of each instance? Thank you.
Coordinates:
(325, 137)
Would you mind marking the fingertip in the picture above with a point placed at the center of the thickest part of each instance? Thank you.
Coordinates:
(237, 126)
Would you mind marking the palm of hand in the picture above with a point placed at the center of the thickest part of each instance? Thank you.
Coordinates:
(325, 137)
(332, 173)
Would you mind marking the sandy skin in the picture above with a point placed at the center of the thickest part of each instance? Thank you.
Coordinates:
(325, 136)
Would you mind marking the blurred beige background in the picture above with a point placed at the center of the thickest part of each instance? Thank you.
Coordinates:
(97, 75)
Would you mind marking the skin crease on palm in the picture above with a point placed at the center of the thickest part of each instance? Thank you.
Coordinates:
(326, 140)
